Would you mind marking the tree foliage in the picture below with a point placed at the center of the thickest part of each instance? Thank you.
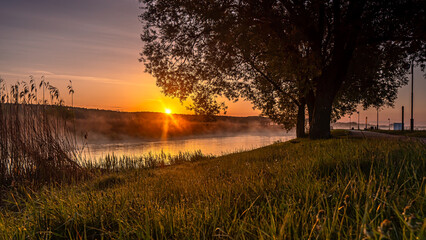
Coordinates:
(283, 55)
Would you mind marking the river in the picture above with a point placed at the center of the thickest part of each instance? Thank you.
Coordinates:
(218, 145)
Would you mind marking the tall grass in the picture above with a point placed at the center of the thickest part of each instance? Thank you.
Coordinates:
(328, 189)
(36, 141)
(114, 163)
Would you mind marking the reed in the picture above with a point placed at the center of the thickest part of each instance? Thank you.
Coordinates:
(119, 163)
(37, 144)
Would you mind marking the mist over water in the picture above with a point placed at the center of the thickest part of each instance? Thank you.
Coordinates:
(105, 133)
(213, 145)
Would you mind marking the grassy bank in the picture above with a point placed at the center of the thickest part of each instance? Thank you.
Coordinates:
(302, 189)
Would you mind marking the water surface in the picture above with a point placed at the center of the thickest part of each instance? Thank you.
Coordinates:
(209, 145)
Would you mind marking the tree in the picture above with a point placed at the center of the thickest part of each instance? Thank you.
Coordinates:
(283, 55)
(234, 66)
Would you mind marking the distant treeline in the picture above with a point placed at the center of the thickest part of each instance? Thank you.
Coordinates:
(111, 125)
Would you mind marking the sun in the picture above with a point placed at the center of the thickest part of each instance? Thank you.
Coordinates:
(168, 111)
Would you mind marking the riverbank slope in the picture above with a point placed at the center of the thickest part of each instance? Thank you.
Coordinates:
(328, 189)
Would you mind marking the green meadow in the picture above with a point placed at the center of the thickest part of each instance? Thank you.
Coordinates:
(340, 188)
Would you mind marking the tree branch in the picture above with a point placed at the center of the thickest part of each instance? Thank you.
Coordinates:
(273, 83)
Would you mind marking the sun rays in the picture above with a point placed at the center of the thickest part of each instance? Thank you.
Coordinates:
(169, 121)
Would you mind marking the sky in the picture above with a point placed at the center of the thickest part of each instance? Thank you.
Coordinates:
(96, 44)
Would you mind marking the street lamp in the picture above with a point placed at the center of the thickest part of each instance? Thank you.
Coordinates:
(377, 127)
(412, 86)
(358, 119)
(350, 121)
(366, 122)
(389, 123)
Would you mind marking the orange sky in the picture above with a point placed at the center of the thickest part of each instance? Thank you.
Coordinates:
(96, 44)
(137, 93)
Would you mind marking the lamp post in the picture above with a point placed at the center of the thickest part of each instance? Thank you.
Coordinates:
(377, 127)
(412, 87)
(389, 123)
(350, 121)
(366, 122)
(358, 119)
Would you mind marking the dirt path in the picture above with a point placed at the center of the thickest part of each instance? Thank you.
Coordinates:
(368, 134)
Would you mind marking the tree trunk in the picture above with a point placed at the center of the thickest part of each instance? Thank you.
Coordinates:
(310, 101)
(320, 127)
(300, 124)
(327, 87)
(326, 91)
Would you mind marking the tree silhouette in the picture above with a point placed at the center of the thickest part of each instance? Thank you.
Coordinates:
(284, 55)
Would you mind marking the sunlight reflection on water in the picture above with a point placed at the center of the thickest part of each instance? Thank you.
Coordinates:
(209, 146)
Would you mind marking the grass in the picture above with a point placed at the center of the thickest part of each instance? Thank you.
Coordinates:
(416, 133)
(340, 133)
(114, 163)
(326, 189)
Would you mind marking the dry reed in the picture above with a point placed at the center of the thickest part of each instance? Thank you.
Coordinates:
(37, 144)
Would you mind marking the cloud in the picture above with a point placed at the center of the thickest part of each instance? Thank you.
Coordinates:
(53, 76)
(44, 72)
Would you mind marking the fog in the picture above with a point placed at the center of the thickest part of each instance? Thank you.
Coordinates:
(102, 126)
(120, 133)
